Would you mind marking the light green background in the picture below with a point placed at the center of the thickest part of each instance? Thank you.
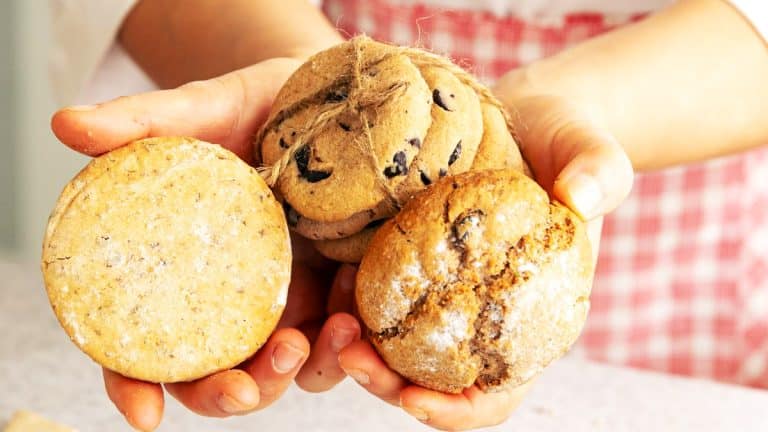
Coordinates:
(34, 166)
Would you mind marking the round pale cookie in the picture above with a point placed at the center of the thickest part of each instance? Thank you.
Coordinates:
(167, 260)
(478, 280)
(348, 249)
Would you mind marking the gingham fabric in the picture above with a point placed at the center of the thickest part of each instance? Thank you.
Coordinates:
(682, 277)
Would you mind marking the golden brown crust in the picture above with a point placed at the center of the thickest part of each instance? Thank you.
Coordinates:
(348, 249)
(167, 260)
(479, 279)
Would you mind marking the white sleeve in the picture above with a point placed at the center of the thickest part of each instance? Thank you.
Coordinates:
(756, 11)
(82, 32)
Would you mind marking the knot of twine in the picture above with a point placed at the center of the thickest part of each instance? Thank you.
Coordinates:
(357, 101)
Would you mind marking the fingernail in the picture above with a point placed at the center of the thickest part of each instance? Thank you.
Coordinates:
(419, 413)
(341, 337)
(361, 377)
(230, 405)
(82, 107)
(286, 357)
(586, 194)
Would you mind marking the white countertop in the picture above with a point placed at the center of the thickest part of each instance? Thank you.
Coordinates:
(41, 370)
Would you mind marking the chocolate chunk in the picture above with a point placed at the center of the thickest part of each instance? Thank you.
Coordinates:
(456, 153)
(291, 215)
(302, 163)
(425, 178)
(464, 224)
(415, 142)
(337, 95)
(443, 172)
(345, 126)
(283, 144)
(439, 100)
(400, 166)
(376, 223)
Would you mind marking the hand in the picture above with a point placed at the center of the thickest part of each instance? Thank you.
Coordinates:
(225, 110)
(577, 162)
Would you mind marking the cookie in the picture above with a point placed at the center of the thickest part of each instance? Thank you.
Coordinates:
(453, 137)
(167, 260)
(478, 280)
(316, 230)
(348, 249)
(338, 171)
(27, 421)
(498, 149)
(362, 127)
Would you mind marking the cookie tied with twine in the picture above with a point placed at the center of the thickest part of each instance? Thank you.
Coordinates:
(360, 128)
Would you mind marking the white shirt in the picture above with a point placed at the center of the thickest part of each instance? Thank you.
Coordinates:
(87, 66)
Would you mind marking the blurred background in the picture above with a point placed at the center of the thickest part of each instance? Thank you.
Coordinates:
(34, 166)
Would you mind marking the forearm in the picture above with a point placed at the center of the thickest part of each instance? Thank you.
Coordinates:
(688, 83)
(177, 41)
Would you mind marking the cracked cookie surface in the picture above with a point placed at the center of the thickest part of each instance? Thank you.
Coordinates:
(478, 280)
(167, 260)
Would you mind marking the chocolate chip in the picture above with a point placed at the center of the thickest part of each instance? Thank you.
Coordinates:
(439, 100)
(376, 223)
(337, 95)
(316, 176)
(291, 215)
(302, 163)
(425, 179)
(443, 172)
(464, 224)
(415, 142)
(345, 126)
(456, 153)
(400, 166)
(283, 144)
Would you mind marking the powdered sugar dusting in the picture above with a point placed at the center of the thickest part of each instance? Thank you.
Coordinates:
(453, 330)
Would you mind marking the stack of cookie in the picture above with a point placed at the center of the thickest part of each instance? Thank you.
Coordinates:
(362, 127)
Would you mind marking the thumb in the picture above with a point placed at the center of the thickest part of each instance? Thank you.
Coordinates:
(226, 110)
(577, 161)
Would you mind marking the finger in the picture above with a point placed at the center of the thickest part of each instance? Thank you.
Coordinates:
(276, 364)
(574, 158)
(219, 395)
(342, 296)
(599, 175)
(471, 409)
(307, 296)
(360, 361)
(322, 371)
(140, 402)
(224, 110)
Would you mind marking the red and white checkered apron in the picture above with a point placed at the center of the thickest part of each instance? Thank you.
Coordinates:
(682, 277)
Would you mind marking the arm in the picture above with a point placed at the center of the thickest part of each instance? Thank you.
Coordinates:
(177, 41)
(686, 84)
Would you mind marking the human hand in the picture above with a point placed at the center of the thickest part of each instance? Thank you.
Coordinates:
(578, 163)
(225, 110)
